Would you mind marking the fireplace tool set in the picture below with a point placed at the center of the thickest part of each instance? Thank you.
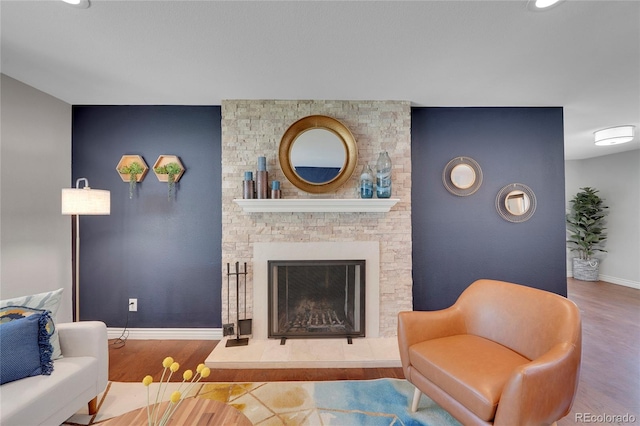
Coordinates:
(243, 325)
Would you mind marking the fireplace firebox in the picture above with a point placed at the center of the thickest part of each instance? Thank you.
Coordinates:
(316, 298)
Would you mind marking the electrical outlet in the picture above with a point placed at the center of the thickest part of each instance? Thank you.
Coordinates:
(133, 305)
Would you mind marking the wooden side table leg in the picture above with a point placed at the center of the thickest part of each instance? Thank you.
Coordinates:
(93, 406)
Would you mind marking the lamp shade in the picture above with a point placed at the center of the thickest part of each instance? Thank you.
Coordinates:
(86, 201)
(614, 135)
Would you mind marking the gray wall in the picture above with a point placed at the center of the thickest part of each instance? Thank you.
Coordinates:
(35, 158)
(617, 177)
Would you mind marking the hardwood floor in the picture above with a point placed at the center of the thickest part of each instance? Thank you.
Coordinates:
(610, 372)
(609, 378)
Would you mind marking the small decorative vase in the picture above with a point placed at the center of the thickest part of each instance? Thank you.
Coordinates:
(383, 176)
(366, 182)
(262, 179)
(248, 186)
(276, 193)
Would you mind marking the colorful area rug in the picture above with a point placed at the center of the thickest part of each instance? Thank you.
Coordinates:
(343, 403)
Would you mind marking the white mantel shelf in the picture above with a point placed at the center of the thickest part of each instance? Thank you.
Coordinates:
(317, 205)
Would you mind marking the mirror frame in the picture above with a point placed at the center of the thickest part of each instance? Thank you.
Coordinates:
(318, 122)
(448, 181)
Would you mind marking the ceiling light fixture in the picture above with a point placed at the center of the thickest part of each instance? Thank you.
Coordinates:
(614, 135)
(543, 4)
(540, 5)
(81, 4)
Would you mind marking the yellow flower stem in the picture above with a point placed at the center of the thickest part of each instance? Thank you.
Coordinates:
(174, 408)
(166, 385)
(167, 414)
(191, 384)
(156, 405)
(148, 413)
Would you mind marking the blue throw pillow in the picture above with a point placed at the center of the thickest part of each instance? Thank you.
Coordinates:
(25, 349)
(47, 301)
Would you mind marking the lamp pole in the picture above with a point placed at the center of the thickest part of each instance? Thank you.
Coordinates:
(77, 201)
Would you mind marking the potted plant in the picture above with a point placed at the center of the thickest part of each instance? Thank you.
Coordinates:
(133, 170)
(171, 170)
(585, 226)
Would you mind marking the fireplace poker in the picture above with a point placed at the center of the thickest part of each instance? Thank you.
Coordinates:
(237, 341)
(245, 324)
(228, 329)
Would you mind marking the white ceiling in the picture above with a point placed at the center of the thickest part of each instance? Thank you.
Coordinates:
(581, 55)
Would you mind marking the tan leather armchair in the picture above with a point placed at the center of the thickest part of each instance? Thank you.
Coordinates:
(503, 354)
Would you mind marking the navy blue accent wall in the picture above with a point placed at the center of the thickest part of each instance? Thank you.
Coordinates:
(165, 253)
(457, 240)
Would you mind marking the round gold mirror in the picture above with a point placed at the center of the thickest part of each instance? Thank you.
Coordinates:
(318, 154)
(516, 202)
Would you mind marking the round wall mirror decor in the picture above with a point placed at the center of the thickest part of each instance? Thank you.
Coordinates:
(318, 154)
(516, 202)
(462, 176)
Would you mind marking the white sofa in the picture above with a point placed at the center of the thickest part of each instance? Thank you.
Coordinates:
(77, 379)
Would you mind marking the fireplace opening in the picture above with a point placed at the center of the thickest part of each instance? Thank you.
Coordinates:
(316, 298)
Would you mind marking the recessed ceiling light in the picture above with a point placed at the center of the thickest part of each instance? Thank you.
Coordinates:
(540, 5)
(614, 135)
(81, 4)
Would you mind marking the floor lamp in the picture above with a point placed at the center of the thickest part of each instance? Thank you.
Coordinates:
(83, 201)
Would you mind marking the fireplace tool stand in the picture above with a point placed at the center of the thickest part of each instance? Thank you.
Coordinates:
(243, 325)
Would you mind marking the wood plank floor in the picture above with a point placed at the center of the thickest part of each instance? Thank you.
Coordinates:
(609, 378)
(610, 372)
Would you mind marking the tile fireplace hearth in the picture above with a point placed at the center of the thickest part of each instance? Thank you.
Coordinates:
(307, 353)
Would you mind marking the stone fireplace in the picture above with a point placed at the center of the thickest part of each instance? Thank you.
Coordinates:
(253, 128)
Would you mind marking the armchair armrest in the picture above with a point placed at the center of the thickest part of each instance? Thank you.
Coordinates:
(419, 326)
(86, 338)
(543, 390)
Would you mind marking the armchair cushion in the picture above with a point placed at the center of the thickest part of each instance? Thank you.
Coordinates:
(482, 365)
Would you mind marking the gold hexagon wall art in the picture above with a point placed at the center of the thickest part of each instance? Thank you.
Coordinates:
(132, 169)
(169, 168)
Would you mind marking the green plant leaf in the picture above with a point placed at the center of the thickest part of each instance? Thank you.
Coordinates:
(585, 222)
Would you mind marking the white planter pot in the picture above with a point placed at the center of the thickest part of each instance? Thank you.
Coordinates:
(586, 270)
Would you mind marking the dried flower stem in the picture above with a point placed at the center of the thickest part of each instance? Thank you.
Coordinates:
(189, 380)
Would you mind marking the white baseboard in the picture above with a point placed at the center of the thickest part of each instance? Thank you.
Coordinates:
(619, 281)
(166, 333)
(613, 280)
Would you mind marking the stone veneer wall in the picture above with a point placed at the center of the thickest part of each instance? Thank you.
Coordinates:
(253, 128)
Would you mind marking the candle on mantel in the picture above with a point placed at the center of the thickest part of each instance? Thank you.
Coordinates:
(275, 189)
(248, 187)
(261, 178)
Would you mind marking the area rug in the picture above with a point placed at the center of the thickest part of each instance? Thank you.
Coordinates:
(337, 403)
